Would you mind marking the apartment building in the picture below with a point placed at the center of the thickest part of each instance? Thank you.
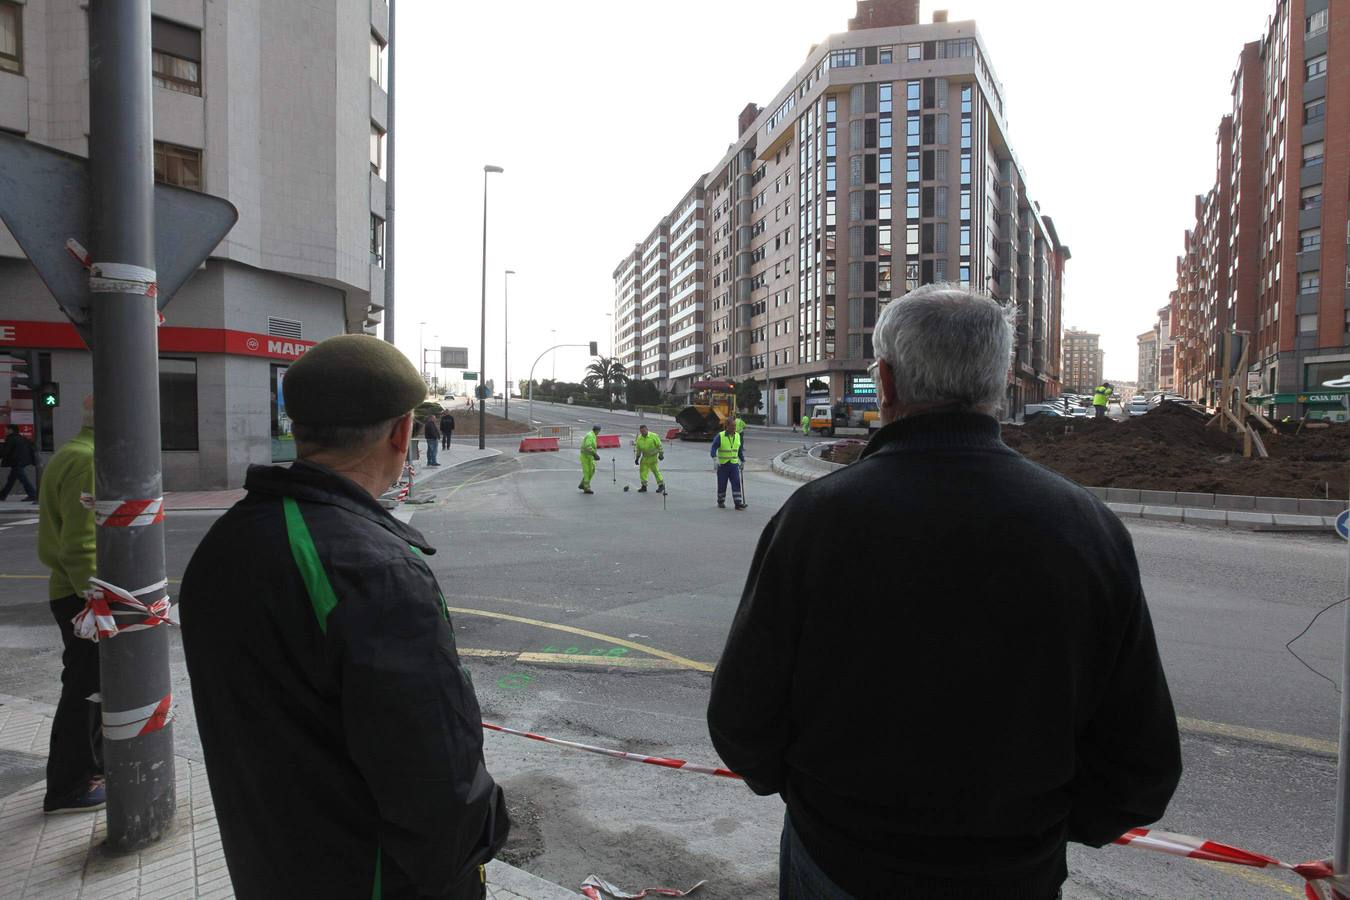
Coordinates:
(880, 165)
(1147, 381)
(1283, 187)
(1083, 361)
(281, 109)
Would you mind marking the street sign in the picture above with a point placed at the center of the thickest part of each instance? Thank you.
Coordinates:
(454, 357)
(470, 376)
(44, 201)
(1343, 524)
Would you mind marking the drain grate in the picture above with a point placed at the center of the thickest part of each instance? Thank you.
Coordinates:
(20, 770)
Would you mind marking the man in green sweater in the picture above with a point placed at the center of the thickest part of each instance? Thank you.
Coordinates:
(66, 547)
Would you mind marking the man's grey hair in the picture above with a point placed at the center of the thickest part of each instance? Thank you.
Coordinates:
(311, 439)
(947, 344)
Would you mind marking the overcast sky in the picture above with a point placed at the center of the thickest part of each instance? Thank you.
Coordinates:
(603, 113)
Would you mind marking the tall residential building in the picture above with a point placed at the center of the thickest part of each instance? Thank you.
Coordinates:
(1147, 381)
(281, 109)
(1083, 360)
(882, 164)
(1285, 219)
(1167, 349)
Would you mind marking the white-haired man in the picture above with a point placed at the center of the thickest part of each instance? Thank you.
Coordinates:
(1001, 684)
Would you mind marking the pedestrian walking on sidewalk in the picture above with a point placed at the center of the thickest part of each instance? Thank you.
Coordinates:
(433, 438)
(66, 547)
(649, 454)
(447, 430)
(730, 455)
(589, 454)
(17, 454)
(1022, 712)
(340, 728)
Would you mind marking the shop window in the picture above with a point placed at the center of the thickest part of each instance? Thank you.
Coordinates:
(178, 404)
(283, 443)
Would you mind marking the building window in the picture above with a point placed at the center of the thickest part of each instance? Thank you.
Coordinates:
(1316, 23)
(843, 59)
(1312, 154)
(379, 60)
(1310, 239)
(1314, 111)
(913, 52)
(885, 55)
(1309, 282)
(1315, 67)
(1307, 324)
(376, 241)
(179, 166)
(176, 57)
(376, 150)
(178, 404)
(11, 37)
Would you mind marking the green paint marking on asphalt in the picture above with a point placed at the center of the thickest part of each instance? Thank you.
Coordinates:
(515, 681)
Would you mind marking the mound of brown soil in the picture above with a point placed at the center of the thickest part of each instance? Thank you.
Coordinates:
(466, 423)
(1171, 449)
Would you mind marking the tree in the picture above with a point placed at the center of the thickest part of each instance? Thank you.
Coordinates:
(748, 395)
(609, 375)
(643, 392)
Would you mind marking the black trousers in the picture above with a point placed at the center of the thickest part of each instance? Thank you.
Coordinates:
(77, 731)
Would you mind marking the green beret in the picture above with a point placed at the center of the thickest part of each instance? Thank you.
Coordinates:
(352, 379)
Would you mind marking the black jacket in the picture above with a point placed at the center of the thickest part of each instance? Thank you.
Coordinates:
(430, 431)
(447, 423)
(17, 452)
(944, 662)
(331, 746)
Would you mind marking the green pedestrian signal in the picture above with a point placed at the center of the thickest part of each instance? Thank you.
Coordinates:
(49, 395)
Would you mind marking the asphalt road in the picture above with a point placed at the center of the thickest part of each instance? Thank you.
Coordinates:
(599, 618)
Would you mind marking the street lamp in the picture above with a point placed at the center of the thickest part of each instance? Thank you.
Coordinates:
(610, 316)
(422, 349)
(506, 345)
(482, 319)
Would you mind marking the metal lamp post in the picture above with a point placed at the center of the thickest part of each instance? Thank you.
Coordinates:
(482, 319)
(506, 345)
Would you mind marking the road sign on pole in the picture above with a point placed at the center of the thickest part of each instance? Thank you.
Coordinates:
(45, 202)
(454, 357)
(470, 376)
(1343, 524)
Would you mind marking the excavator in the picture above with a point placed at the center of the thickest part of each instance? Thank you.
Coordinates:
(714, 401)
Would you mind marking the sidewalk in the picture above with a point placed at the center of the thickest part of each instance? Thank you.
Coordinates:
(62, 856)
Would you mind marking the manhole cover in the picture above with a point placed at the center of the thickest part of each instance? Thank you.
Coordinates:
(20, 770)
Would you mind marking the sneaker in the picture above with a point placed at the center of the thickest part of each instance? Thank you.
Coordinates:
(433, 465)
(742, 506)
(582, 486)
(721, 504)
(587, 491)
(91, 799)
(642, 490)
(660, 488)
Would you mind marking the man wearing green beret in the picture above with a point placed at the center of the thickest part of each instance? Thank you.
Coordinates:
(329, 694)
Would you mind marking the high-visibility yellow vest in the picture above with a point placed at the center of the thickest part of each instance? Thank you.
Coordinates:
(728, 448)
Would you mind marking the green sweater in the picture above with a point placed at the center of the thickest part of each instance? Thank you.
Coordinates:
(65, 527)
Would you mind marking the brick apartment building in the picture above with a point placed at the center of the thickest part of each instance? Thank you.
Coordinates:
(281, 109)
(1083, 361)
(882, 164)
(1266, 255)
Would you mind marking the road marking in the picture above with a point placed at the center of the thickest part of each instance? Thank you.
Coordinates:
(1252, 876)
(20, 522)
(680, 661)
(579, 659)
(1257, 736)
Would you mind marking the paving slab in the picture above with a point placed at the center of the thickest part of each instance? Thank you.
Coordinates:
(1201, 516)
(1163, 513)
(1243, 517)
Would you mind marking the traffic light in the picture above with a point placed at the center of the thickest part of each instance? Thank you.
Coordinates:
(595, 348)
(49, 395)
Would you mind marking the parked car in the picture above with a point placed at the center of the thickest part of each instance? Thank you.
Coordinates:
(1137, 406)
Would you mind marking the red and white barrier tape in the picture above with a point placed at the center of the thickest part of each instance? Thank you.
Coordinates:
(130, 723)
(594, 885)
(98, 620)
(662, 761)
(1322, 883)
(128, 513)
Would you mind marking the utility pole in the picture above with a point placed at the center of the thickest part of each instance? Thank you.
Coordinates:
(389, 190)
(138, 761)
(506, 344)
(482, 321)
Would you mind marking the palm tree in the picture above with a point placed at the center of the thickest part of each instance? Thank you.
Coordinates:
(609, 374)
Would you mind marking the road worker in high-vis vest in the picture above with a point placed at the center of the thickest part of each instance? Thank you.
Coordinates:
(339, 726)
(648, 452)
(730, 455)
(589, 454)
